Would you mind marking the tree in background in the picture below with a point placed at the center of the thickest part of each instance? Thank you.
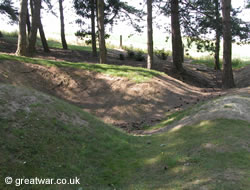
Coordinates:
(217, 35)
(248, 4)
(35, 6)
(41, 31)
(22, 38)
(6, 7)
(93, 34)
(150, 35)
(202, 23)
(177, 46)
(227, 74)
(63, 39)
(102, 46)
(43, 38)
(114, 11)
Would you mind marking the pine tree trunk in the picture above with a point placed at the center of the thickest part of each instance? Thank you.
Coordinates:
(177, 48)
(28, 22)
(150, 34)
(63, 39)
(93, 35)
(43, 38)
(22, 37)
(36, 4)
(227, 73)
(218, 34)
(102, 46)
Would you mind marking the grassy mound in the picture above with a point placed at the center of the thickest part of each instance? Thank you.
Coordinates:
(135, 74)
(41, 136)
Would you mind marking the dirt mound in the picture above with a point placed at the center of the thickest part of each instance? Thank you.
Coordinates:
(235, 105)
(242, 78)
(116, 100)
(15, 100)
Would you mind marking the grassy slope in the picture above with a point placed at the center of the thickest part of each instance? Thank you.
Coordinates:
(35, 142)
(136, 74)
(209, 61)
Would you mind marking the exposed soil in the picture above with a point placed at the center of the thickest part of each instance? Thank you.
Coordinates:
(116, 100)
(235, 105)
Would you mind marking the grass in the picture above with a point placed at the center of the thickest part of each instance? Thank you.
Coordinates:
(12, 37)
(209, 61)
(55, 44)
(206, 60)
(135, 74)
(38, 143)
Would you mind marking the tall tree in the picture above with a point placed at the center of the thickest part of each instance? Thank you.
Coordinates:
(28, 22)
(22, 37)
(93, 35)
(43, 38)
(227, 74)
(114, 10)
(102, 46)
(177, 46)
(200, 18)
(217, 36)
(35, 23)
(63, 39)
(150, 34)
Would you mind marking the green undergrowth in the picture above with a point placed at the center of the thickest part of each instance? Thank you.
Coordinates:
(135, 74)
(13, 36)
(42, 136)
(209, 62)
(56, 44)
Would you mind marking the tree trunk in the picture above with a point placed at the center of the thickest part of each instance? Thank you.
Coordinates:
(22, 37)
(177, 49)
(35, 25)
(150, 35)
(218, 34)
(93, 36)
(28, 22)
(97, 19)
(227, 73)
(102, 46)
(64, 43)
(43, 38)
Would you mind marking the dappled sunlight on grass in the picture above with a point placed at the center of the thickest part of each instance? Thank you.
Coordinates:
(152, 161)
(193, 157)
(136, 74)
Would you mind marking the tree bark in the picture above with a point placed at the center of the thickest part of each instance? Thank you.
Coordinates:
(217, 36)
(22, 37)
(93, 35)
(43, 38)
(177, 48)
(35, 25)
(102, 46)
(28, 22)
(227, 73)
(63, 39)
(150, 35)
